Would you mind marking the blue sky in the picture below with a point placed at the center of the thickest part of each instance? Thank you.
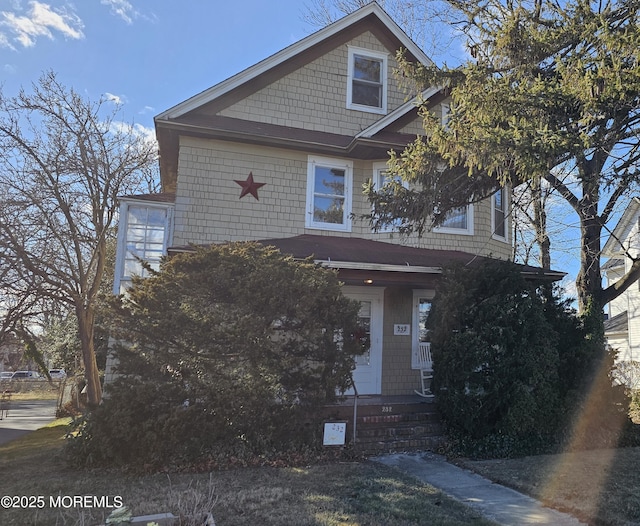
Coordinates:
(151, 54)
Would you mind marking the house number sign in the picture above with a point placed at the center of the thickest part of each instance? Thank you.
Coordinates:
(403, 329)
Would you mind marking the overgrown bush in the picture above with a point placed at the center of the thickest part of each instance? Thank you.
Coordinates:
(514, 368)
(231, 352)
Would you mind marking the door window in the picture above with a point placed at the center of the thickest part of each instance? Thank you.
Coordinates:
(364, 321)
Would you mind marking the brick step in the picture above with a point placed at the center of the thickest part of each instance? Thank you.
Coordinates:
(346, 411)
(406, 418)
(376, 433)
(395, 446)
(392, 424)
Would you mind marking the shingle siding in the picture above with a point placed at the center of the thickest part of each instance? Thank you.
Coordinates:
(315, 96)
(208, 208)
(397, 376)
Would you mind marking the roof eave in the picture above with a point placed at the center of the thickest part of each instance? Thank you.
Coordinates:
(280, 142)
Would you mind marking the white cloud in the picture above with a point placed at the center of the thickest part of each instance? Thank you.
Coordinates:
(41, 20)
(122, 8)
(146, 110)
(116, 99)
(10, 69)
(147, 134)
(4, 41)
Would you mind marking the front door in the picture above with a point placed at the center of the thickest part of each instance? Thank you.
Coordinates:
(368, 372)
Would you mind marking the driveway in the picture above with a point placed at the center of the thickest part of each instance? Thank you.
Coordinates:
(25, 416)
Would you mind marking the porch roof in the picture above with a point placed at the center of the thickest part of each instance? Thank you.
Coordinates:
(352, 253)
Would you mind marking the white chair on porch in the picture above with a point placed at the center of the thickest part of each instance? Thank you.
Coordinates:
(425, 366)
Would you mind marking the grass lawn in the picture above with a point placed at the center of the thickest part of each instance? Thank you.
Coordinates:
(600, 487)
(358, 493)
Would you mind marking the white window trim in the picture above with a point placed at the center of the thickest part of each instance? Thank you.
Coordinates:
(445, 109)
(418, 294)
(121, 248)
(378, 169)
(328, 162)
(505, 206)
(376, 55)
(461, 231)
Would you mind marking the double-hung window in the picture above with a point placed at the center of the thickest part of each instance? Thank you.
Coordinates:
(381, 177)
(498, 215)
(367, 81)
(458, 221)
(329, 183)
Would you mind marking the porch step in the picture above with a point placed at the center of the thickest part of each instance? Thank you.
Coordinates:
(391, 424)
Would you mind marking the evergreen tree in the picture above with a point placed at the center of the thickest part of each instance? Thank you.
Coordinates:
(553, 93)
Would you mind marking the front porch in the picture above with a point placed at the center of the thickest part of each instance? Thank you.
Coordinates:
(387, 424)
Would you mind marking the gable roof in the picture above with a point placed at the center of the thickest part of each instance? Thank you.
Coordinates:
(191, 118)
(364, 14)
(612, 247)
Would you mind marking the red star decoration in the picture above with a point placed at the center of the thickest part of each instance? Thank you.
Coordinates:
(249, 187)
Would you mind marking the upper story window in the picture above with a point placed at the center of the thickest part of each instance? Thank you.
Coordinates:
(329, 183)
(142, 240)
(444, 115)
(381, 176)
(367, 81)
(458, 221)
(498, 214)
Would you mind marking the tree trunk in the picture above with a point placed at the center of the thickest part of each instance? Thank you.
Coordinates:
(540, 224)
(589, 280)
(86, 319)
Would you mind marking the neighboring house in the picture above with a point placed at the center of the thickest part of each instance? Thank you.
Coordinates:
(279, 153)
(622, 328)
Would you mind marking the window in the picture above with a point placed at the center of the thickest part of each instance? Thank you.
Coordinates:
(498, 216)
(329, 194)
(458, 221)
(364, 322)
(142, 239)
(444, 115)
(367, 81)
(421, 309)
(380, 177)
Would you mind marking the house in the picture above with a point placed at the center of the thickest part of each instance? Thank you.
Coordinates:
(622, 328)
(279, 153)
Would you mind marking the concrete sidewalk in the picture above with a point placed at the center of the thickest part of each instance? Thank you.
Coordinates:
(495, 502)
(25, 416)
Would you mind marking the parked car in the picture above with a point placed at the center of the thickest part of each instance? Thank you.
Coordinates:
(57, 374)
(6, 375)
(30, 375)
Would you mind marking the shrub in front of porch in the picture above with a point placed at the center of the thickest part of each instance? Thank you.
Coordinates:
(232, 350)
(511, 362)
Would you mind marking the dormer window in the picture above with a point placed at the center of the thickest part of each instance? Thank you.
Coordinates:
(367, 81)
